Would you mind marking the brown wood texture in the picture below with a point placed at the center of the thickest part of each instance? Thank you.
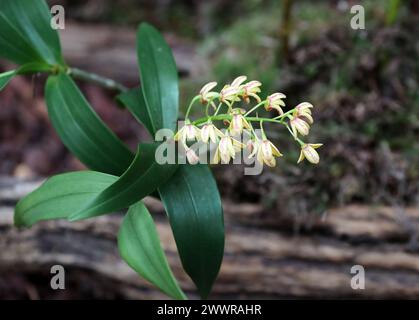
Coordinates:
(263, 258)
(111, 51)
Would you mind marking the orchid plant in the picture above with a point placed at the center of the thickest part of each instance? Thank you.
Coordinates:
(119, 179)
(240, 121)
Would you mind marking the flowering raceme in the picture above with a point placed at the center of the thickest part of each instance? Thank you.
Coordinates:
(239, 121)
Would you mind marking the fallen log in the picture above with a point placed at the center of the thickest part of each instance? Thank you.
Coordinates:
(262, 260)
(111, 51)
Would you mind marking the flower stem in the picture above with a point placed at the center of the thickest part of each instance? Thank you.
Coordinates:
(97, 79)
(218, 109)
(190, 106)
(294, 136)
(285, 114)
(263, 130)
(254, 108)
(229, 117)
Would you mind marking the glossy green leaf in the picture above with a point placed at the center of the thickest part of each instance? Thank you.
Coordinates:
(133, 100)
(139, 246)
(34, 67)
(159, 78)
(26, 34)
(143, 177)
(195, 212)
(6, 77)
(61, 196)
(81, 130)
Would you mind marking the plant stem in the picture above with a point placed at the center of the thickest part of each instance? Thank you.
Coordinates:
(218, 109)
(285, 114)
(295, 137)
(256, 119)
(229, 117)
(263, 130)
(97, 79)
(190, 106)
(254, 108)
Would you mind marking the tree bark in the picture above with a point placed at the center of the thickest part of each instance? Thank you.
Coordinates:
(283, 55)
(264, 258)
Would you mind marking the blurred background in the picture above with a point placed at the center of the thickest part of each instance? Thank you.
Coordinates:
(294, 231)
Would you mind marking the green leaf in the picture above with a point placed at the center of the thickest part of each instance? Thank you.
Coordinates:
(159, 78)
(195, 212)
(26, 34)
(142, 177)
(81, 130)
(134, 101)
(140, 247)
(61, 196)
(6, 77)
(34, 67)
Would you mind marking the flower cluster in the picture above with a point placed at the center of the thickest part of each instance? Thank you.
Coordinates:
(238, 121)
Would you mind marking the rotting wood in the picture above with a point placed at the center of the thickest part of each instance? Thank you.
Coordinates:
(262, 260)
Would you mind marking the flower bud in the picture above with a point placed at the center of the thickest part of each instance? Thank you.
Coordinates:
(206, 94)
(308, 151)
(298, 125)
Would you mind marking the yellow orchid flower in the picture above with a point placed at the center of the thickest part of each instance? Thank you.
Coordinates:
(275, 101)
(298, 125)
(206, 94)
(308, 151)
(188, 132)
(227, 149)
(251, 89)
(209, 132)
(265, 152)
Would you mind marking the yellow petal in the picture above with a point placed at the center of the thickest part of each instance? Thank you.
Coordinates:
(311, 154)
(216, 159)
(254, 95)
(275, 151)
(308, 117)
(270, 162)
(301, 158)
(279, 109)
(238, 81)
(205, 89)
(259, 156)
(316, 145)
(205, 133)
